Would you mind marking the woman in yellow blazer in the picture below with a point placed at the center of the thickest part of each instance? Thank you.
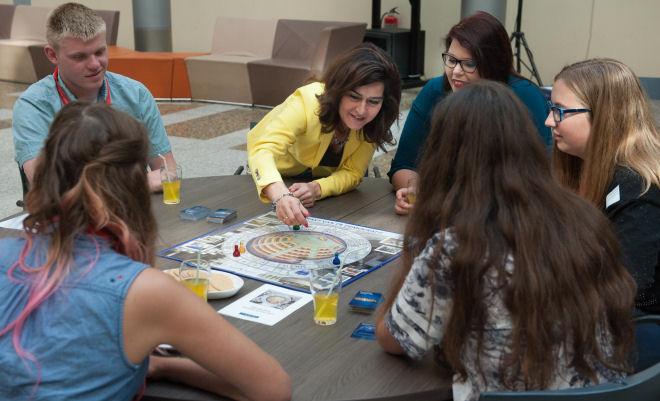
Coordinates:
(325, 132)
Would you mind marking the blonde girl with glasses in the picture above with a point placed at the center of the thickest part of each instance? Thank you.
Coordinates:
(610, 155)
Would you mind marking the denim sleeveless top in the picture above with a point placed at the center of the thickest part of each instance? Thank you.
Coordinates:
(76, 334)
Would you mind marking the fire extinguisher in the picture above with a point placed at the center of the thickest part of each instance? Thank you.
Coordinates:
(390, 19)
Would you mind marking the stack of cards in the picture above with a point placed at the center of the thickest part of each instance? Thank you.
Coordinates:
(194, 213)
(365, 331)
(221, 216)
(365, 301)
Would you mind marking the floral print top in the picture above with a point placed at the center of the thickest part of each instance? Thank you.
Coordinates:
(411, 324)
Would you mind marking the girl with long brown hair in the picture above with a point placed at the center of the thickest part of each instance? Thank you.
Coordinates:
(517, 282)
(82, 310)
(325, 134)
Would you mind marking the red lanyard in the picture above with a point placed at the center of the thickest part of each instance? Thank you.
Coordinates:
(65, 99)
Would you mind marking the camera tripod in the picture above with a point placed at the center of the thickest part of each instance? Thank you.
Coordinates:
(518, 37)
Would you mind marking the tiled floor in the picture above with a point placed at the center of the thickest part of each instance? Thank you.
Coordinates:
(207, 139)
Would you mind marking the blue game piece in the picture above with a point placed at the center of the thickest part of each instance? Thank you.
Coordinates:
(336, 260)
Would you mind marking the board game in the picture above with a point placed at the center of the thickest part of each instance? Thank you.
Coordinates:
(264, 249)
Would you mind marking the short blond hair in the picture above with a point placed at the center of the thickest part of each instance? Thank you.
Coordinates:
(75, 20)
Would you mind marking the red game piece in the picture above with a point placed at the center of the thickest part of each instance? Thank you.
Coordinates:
(237, 252)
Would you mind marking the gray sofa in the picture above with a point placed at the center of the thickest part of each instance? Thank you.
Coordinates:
(22, 58)
(223, 74)
(262, 62)
(28, 28)
(302, 50)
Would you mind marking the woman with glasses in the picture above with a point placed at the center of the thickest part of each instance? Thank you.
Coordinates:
(477, 47)
(607, 149)
(515, 282)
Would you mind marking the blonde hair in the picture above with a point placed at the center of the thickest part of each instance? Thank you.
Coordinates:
(75, 20)
(623, 132)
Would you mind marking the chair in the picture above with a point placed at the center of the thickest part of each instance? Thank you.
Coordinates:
(641, 386)
(6, 17)
(223, 75)
(28, 28)
(111, 19)
(651, 86)
(23, 37)
(25, 185)
(302, 50)
(647, 332)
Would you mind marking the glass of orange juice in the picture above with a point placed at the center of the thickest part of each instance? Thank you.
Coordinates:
(195, 275)
(171, 181)
(411, 196)
(325, 285)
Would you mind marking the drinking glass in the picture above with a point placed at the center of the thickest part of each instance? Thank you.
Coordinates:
(411, 197)
(325, 285)
(195, 274)
(171, 181)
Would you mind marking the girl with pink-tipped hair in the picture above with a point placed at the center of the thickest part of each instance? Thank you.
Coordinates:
(82, 308)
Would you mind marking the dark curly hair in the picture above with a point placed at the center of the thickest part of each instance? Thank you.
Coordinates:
(363, 65)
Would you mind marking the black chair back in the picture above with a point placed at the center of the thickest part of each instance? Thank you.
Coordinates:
(25, 185)
(641, 386)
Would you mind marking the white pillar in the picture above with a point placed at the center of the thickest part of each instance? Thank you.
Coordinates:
(152, 23)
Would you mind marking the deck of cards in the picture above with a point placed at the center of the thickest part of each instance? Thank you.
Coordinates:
(194, 213)
(221, 216)
(365, 301)
(365, 331)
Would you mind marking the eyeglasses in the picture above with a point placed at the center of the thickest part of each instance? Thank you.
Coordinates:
(467, 65)
(558, 113)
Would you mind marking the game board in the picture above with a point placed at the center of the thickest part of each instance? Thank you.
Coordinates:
(277, 254)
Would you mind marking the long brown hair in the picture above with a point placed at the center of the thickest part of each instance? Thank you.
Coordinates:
(363, 65)
(484, 174)
(622, 133)
(90, 178)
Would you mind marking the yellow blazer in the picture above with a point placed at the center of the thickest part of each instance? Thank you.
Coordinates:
(288, 141)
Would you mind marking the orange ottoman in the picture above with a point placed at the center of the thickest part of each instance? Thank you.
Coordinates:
(163, 73)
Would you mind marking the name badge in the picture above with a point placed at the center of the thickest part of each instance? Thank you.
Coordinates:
(613, 197)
